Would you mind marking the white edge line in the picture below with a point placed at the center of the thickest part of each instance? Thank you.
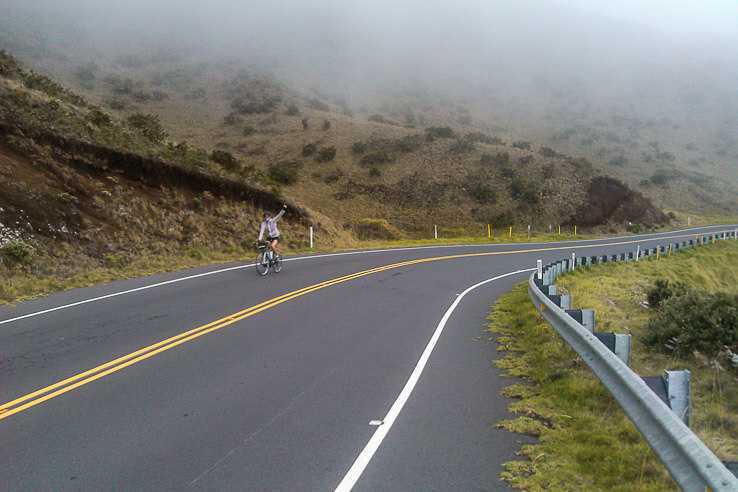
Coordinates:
(327, 255)
(371, 447)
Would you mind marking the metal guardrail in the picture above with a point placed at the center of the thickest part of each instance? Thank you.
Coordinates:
(692, 465)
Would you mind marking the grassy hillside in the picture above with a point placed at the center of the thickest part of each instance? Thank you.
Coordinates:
(587, 441)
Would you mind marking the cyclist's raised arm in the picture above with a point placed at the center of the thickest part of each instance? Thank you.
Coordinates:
(280, 214)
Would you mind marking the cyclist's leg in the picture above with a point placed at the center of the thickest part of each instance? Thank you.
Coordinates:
(274, 245)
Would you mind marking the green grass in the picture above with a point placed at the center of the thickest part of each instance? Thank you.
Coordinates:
(586, 440)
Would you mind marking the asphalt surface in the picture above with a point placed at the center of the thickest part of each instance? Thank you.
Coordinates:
(281, 397)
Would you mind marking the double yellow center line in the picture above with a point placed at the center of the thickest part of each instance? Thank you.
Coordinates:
(54, 390)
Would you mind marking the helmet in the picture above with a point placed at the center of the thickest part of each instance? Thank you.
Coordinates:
(267, 214)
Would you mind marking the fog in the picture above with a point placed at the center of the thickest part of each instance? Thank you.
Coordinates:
(536, 59)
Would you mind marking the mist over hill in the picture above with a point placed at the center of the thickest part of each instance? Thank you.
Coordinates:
(648, 96)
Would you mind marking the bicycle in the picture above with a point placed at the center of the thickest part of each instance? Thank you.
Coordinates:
(266, 259)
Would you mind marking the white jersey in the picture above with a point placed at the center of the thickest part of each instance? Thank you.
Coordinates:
(270, 226)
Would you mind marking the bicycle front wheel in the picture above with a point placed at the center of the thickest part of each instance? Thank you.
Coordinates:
(262, 263)
(277, 263)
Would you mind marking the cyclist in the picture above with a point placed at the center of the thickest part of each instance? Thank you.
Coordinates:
(270, 227)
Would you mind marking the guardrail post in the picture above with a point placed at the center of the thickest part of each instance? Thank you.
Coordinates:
(638, 253)
(564, 302)
(618, 343)
(539, 265)
(677, 390)
(573, 262)
(673, 389)
(585, 317)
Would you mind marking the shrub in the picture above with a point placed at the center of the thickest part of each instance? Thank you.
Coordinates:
(293, 110)
(309, 149)
(374, 172)
(285, 173)
(115, 104)
(663, 290)
(376, 229)
(149, 126)
(499, 159)
(358, 147)
(483, 138)
(502, 219)
(326, 125)
(17, 252)
(318, 105)
(305, 123)
(116, 260)
(8, 65)
(225, 159)
(483, 193)
(462, 146)
(99, 117)
(377, 118)
(522, 144)
(253, 107)
(379, 157)
(526, 159)
(326, 154)
(409, 143)
(549, 152)
(439, 132)
(248, 130)
(85, 75)
(231, 119)
(620, 160)
(20, 98)
(333, 176)
(696, 320)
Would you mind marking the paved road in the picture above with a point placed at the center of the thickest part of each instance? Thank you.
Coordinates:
(216, 378)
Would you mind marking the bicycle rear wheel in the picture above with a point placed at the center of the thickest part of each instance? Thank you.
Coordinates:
(262, 263)
(277, 263)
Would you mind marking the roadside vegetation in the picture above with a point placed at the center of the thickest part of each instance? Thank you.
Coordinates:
(586, 441)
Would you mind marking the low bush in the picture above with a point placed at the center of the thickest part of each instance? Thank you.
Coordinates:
(549, 152)
(326, 154)
(318, 105)
(225, 159)
(85, 75)
(662, 290)
(379, 157)
(358, 147)
(148, 125)
(17, 252)
(462, 146)
(522, 144)
(309, 149)
(483, 138)
(483, 193)
(99, 117)
(293, 110)
(409, 143)
(502, 219)
(333, 176)
(285, 173)
(498, 159)
(439, 132)
(696, 320)
(326, 125)
(377, 118)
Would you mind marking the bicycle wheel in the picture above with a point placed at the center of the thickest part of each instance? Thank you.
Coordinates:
(262, 263)
(277, 263)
